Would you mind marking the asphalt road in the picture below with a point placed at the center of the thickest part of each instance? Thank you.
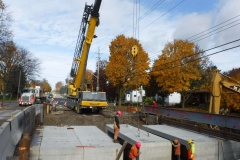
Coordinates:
(10, 104)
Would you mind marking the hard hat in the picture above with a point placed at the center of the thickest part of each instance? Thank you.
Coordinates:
(138, 144)
(119, 113)
(190, 141)
(175, 141)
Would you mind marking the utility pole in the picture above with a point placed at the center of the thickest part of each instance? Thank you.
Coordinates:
(19, 84)
(98, 70)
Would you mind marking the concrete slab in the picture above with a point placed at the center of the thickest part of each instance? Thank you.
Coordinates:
(207, 148)
(153, 147)
(79, 142)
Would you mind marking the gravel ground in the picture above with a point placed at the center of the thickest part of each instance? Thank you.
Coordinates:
(66, 117)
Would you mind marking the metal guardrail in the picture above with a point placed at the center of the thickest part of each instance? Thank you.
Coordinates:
(207, 118)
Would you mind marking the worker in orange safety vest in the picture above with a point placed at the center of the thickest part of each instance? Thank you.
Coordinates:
(191, 149)
(116, 126)
(177, 149)
(134, 153)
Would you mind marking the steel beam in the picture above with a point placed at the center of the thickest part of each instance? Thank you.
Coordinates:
(207, 118)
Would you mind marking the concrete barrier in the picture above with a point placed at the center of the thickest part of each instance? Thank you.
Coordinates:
(12, 129)
(6, 148)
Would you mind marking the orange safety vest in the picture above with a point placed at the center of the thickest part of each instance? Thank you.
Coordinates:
(134, 152)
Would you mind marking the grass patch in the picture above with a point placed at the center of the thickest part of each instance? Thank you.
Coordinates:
(8, 98)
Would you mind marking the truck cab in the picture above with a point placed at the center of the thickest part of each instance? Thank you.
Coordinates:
(27, 97)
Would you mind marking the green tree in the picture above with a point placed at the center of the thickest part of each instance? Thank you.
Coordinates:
(123, 69)
(153, 89)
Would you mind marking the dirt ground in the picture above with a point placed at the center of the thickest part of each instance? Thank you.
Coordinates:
(66, 117)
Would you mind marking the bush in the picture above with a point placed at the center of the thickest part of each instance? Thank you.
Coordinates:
(148, 101)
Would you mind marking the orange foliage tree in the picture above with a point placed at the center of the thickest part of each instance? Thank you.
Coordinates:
(42, 83)
(88, 76)
(123, 69)
(58, 86)
(177, 67)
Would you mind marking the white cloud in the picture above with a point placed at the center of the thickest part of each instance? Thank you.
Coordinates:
(49, 29)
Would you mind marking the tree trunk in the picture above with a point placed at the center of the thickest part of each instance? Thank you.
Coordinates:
(4, 95)
(183, 101)
(120, 96)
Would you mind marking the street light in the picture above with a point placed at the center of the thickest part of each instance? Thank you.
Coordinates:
(19, 83)
(20, 72)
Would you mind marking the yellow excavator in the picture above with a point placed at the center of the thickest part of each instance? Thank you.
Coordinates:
(217, 83)
(79, 95)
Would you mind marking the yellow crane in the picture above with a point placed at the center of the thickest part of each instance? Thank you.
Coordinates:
(78, 94)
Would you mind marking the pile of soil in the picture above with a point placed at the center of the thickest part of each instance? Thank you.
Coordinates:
(67, 117)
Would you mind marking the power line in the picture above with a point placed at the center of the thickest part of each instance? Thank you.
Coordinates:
(162, 15)
(156, 19)
(151, 22)
(141, 17)
(208, 35)
(191, 61)
(206, 56)
(197, 58)
(213, 27)
(201, 52)
(215, 47)
(217, 32)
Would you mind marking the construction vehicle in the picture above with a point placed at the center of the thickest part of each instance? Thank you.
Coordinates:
(217, 83)
(31, 95)
(79, 96)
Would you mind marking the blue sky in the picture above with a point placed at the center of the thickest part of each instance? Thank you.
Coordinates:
(49, 29)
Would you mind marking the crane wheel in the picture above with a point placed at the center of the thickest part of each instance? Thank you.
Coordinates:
(78, 110)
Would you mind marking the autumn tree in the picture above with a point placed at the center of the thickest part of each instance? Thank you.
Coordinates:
(58, 86)
(42, 83)
(16, 64)
(88, 79)
(45, 85)
(177, 67)
(123, 69)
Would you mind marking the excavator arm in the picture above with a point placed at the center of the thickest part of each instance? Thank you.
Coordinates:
(216, 90)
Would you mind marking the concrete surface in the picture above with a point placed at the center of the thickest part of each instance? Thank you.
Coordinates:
(79, 143)
(207, 148)
(153, 147)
